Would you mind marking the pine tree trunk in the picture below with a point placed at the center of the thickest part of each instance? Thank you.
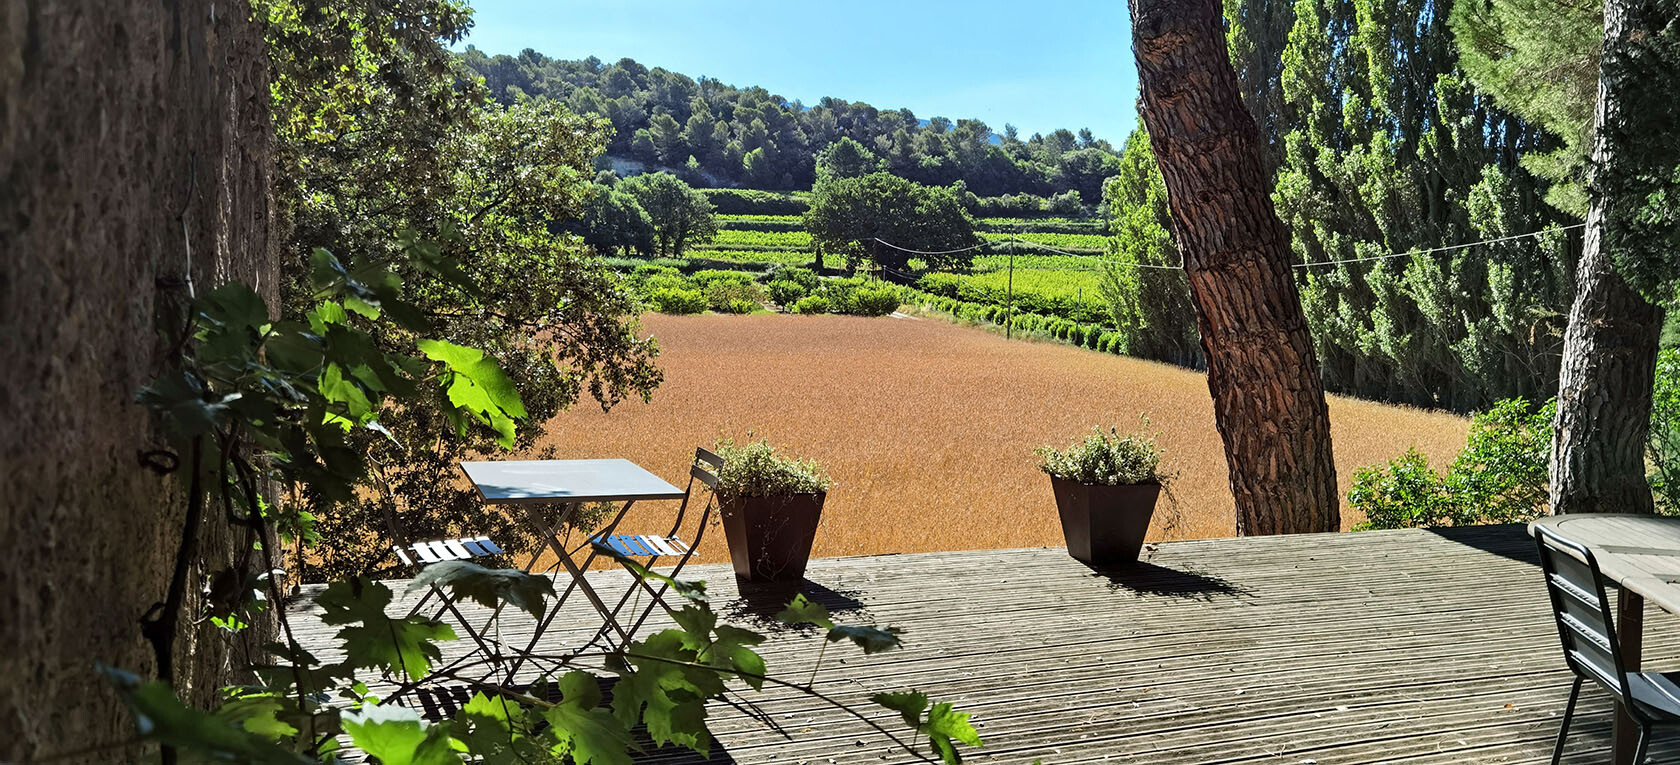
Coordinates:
(1262, 370)
(1610, 347)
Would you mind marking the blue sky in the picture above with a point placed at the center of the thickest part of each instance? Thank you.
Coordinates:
(1040, 66)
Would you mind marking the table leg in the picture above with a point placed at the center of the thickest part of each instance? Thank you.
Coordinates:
(572, 570)
(1630, 628)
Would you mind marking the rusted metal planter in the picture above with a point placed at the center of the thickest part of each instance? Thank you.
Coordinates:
(770, 537)
(1104, 525)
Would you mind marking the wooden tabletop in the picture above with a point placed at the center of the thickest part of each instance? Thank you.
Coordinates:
(522, 481)
(1639, 552)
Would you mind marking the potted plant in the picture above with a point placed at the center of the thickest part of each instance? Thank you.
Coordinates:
(1106, 486)
(770, 506)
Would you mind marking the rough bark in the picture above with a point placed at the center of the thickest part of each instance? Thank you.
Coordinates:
(1262, 371)
(128, 132)
(1610, 347)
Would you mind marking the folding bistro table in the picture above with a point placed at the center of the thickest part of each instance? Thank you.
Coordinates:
(1641, 555)
(536, 485)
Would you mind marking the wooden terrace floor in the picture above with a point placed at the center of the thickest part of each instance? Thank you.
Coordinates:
(1407, 646)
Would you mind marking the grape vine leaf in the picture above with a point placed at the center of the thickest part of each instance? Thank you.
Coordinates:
(397, 736)
(586, 732)
(942, 725)
(408, 644)
(802, 610)
(870, 639)
(495, 730)
(161, 717)
(476, 384)
(694, 592)
(665, 693)
(489, 586)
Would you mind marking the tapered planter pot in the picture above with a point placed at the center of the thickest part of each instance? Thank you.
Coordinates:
(1104, 525)
(770, 537)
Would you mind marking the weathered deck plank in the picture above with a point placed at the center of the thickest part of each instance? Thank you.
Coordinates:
(1408, 646)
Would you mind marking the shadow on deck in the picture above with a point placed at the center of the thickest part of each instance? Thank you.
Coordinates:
(1401, 646)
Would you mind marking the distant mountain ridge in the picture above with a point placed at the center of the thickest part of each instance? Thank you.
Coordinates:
(752, 138)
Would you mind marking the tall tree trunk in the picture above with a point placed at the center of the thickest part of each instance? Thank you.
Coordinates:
(1267, 396)
(1610, 346)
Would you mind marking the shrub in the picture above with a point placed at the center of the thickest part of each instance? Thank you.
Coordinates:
(756, 470)
(753, 202)
(786, 292)
(1076, 334)
(648, 270)
(714, 275)
(799, 275)
(1500, 476)
(878, 300)
(1109, 459)
(676, 300)
(813, 304)
(727, 296)
(1066, 203)
(670, 281)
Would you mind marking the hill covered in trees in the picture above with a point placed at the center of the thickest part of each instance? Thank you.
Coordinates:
(722, 135)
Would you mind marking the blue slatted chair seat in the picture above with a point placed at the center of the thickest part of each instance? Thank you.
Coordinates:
(434, 551)
(642, 545)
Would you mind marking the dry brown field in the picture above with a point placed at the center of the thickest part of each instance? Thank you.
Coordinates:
(928, 427)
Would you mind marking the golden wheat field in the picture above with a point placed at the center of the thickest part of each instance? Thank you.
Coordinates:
(928, 428)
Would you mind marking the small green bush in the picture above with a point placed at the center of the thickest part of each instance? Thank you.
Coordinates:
(786, 292)
(1500, 477)
(667, 281)
(645, 271)
(727, 296)
(813, 304)
(878, 300)
(756, 470)
(799, 275)
(712, 276)
(676, 300)
(1107, 459)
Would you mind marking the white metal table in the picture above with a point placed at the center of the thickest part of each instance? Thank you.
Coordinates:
(532, 485)
(1641, 554)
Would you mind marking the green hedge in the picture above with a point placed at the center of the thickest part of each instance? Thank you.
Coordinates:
(960, 288)
(754, 202)
(1093, 336)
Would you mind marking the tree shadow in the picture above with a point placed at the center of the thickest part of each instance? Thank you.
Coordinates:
(759, 602)
(1145, 578)
(1507, 540)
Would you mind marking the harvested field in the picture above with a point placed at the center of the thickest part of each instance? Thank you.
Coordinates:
(928, 427)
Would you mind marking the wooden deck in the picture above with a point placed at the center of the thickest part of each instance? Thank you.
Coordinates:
(1404, 646)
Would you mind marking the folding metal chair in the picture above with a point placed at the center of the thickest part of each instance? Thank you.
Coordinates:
(1582, 610)
(651, 546)
(419, 554)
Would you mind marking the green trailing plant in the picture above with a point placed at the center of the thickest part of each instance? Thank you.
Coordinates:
(1105, 458)
(754, 469)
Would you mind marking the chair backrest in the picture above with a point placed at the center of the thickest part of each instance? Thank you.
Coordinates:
(705, 468)
(1582, 611)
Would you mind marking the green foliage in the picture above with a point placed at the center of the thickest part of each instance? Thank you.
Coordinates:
(846, 158)
(1150, 305)
(1663, 450)
(390, 154)
(160, 716)
(754, 202)
(613, 221)
(722, 135)
(941, 723)
(1107, 459)
(1385, 145)
(813, 304)
(488, 587)
(871, 300)
(681, 216)
(1500, 476)
(852, 216)
(676, 300)
(786, 292)
(1539, 59)
(755, 469)
(374, 641)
